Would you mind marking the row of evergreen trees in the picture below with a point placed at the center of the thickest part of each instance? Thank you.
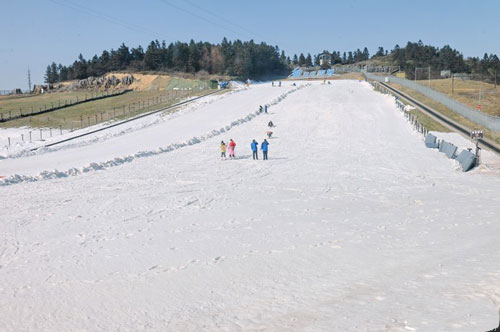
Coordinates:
(251, 60)
(240, 59)
(418, 55)
(344, 59)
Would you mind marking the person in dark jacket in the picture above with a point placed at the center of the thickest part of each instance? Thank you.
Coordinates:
(254, 146)
(264, 147)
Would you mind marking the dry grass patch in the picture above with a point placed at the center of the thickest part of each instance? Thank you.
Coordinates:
(495, 136)
(467, 92)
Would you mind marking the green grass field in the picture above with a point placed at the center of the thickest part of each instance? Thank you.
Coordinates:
(26, 104)
(155, 93)
(113, 108)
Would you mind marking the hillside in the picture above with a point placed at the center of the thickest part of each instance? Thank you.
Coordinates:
(148, 91)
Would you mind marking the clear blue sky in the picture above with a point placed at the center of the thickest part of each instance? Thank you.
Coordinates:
(37, 32)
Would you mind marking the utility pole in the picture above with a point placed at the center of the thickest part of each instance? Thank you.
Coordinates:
(452, 83)
(29, 80)
(429, 76)
(479, 102)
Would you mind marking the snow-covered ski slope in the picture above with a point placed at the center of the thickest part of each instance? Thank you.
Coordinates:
(351, 225)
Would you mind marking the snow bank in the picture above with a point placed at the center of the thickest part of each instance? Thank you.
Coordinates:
(36, 146)
(94, 166)
(351, 225)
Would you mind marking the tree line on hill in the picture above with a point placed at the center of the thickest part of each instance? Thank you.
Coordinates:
(240, 59)
(251, 60)
(416, 55)
(346, 58)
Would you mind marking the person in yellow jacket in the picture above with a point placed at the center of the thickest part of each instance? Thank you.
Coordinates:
(222, 150)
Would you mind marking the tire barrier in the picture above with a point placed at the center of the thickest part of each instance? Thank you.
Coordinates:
(430, 141)
(467, 160)
(483, 142)
(448, 149)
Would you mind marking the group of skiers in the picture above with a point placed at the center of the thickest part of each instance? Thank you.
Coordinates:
(254, 145)
(264, 146)
(279, 83)
(230, 148)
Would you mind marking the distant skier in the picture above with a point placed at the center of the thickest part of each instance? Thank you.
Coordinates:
(272, 83)
(254, 145)
(279, 83)
(270, 124)
(222, 150)
(231, 148)
(265, 108)
(260, 108)
(264, 146)
(269, 134)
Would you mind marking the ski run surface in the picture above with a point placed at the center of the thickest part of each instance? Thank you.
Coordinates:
(351, 225)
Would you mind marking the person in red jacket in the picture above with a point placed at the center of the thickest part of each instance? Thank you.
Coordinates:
(230, 148)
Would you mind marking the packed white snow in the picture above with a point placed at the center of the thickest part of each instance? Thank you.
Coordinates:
(351, 225)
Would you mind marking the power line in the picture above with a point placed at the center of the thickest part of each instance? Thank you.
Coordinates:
(105, 17)
(223, 19)
(200, 17)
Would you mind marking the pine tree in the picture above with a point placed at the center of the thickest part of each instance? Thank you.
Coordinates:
(302, 60)
(152, 57)
(283, 57)
(80, 68)
(54, 73)
(122, 57)
(308, 60)
(366, 54)
(63, 73)
(193, 64)
(48, 75)
(380, 51)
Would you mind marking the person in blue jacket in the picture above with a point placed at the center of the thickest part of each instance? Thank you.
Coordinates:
(264, 147)
(254, 146)
(265, 108)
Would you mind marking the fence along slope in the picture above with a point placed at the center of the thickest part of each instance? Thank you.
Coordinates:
(486, 120)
